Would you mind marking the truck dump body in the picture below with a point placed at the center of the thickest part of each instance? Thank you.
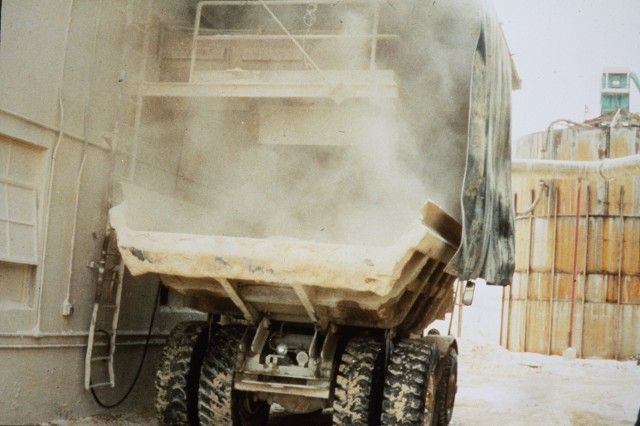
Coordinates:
(308, 154)
(402, 285)
(287, 154)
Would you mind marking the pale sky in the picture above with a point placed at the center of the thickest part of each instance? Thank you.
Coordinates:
(560, 48)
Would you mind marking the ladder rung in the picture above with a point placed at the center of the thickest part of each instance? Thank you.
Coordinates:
(107, 295)
(100, 385)
(100, 358)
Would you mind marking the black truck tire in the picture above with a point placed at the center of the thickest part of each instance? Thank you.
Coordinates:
(358, 383)
(446, 389)
(178, 373)
(218, 403)
(409, 387)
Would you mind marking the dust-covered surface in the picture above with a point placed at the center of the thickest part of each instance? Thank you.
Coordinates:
(351, 172)
(279, 260)
(347, 171)
(496, 386)
(488, 244)
(500, 387)
(129, 419)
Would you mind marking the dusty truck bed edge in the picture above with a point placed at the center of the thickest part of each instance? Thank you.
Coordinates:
(334, 277)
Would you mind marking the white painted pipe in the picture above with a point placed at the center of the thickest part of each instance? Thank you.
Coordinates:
(62, 339)
(52, 170)
(74, 333)
(564, 169)
(152, 342)
(67, 306)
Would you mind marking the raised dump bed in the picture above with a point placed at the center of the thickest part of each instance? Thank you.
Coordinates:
(305, 305)
(401, 285)
(296, 145)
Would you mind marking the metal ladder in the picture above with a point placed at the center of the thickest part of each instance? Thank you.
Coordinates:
(110, 267)
(110, 273)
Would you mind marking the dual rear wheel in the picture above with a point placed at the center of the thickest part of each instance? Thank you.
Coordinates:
(419, 387)
(357, 390)
(218, 402)
(177, 377)
(194, 382)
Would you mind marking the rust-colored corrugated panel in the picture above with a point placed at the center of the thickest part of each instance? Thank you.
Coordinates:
(601, 194)
(630, 292)
(631, 250)
(603, 245)
(560, 327)
(538, 322)
(564, 285)
(612, 288)
(596, 289)
(634, 196)
(590, 199)
(616, 196)
(519, 286)
(629, 195)
(611, 245)
(539, 286)
(541, 245)
(522, 244)
(565, 244)
(585, 197)
(622, 142)
(600, 331)
(585, 149)
(567, 146)
(594, 255)
(608, 252)
(630, 339)
(517, 326)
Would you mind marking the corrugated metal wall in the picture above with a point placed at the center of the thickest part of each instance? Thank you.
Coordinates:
(606, 216)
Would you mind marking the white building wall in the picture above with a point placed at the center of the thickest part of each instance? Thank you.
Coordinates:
(72, 53)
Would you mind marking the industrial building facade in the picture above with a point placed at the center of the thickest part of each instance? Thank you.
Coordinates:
(68, 71)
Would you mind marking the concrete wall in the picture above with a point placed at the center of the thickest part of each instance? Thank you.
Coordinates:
(66, 64)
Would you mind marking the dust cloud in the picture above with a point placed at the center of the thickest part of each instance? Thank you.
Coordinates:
(351, 172)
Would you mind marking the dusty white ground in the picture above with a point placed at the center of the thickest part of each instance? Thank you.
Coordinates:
(500, 387)
(497, 387)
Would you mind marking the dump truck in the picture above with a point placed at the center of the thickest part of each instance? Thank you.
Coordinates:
(398, 110)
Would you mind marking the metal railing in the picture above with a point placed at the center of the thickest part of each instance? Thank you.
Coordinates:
(374, 36)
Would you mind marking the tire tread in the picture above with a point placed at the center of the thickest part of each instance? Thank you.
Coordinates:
(408, 370)
(176, 378)
(355, 400)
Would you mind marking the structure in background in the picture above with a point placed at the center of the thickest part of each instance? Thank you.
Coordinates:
(615, 89)
(577, 279)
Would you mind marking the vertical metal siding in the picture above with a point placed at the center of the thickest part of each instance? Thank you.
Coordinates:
(537, 307)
